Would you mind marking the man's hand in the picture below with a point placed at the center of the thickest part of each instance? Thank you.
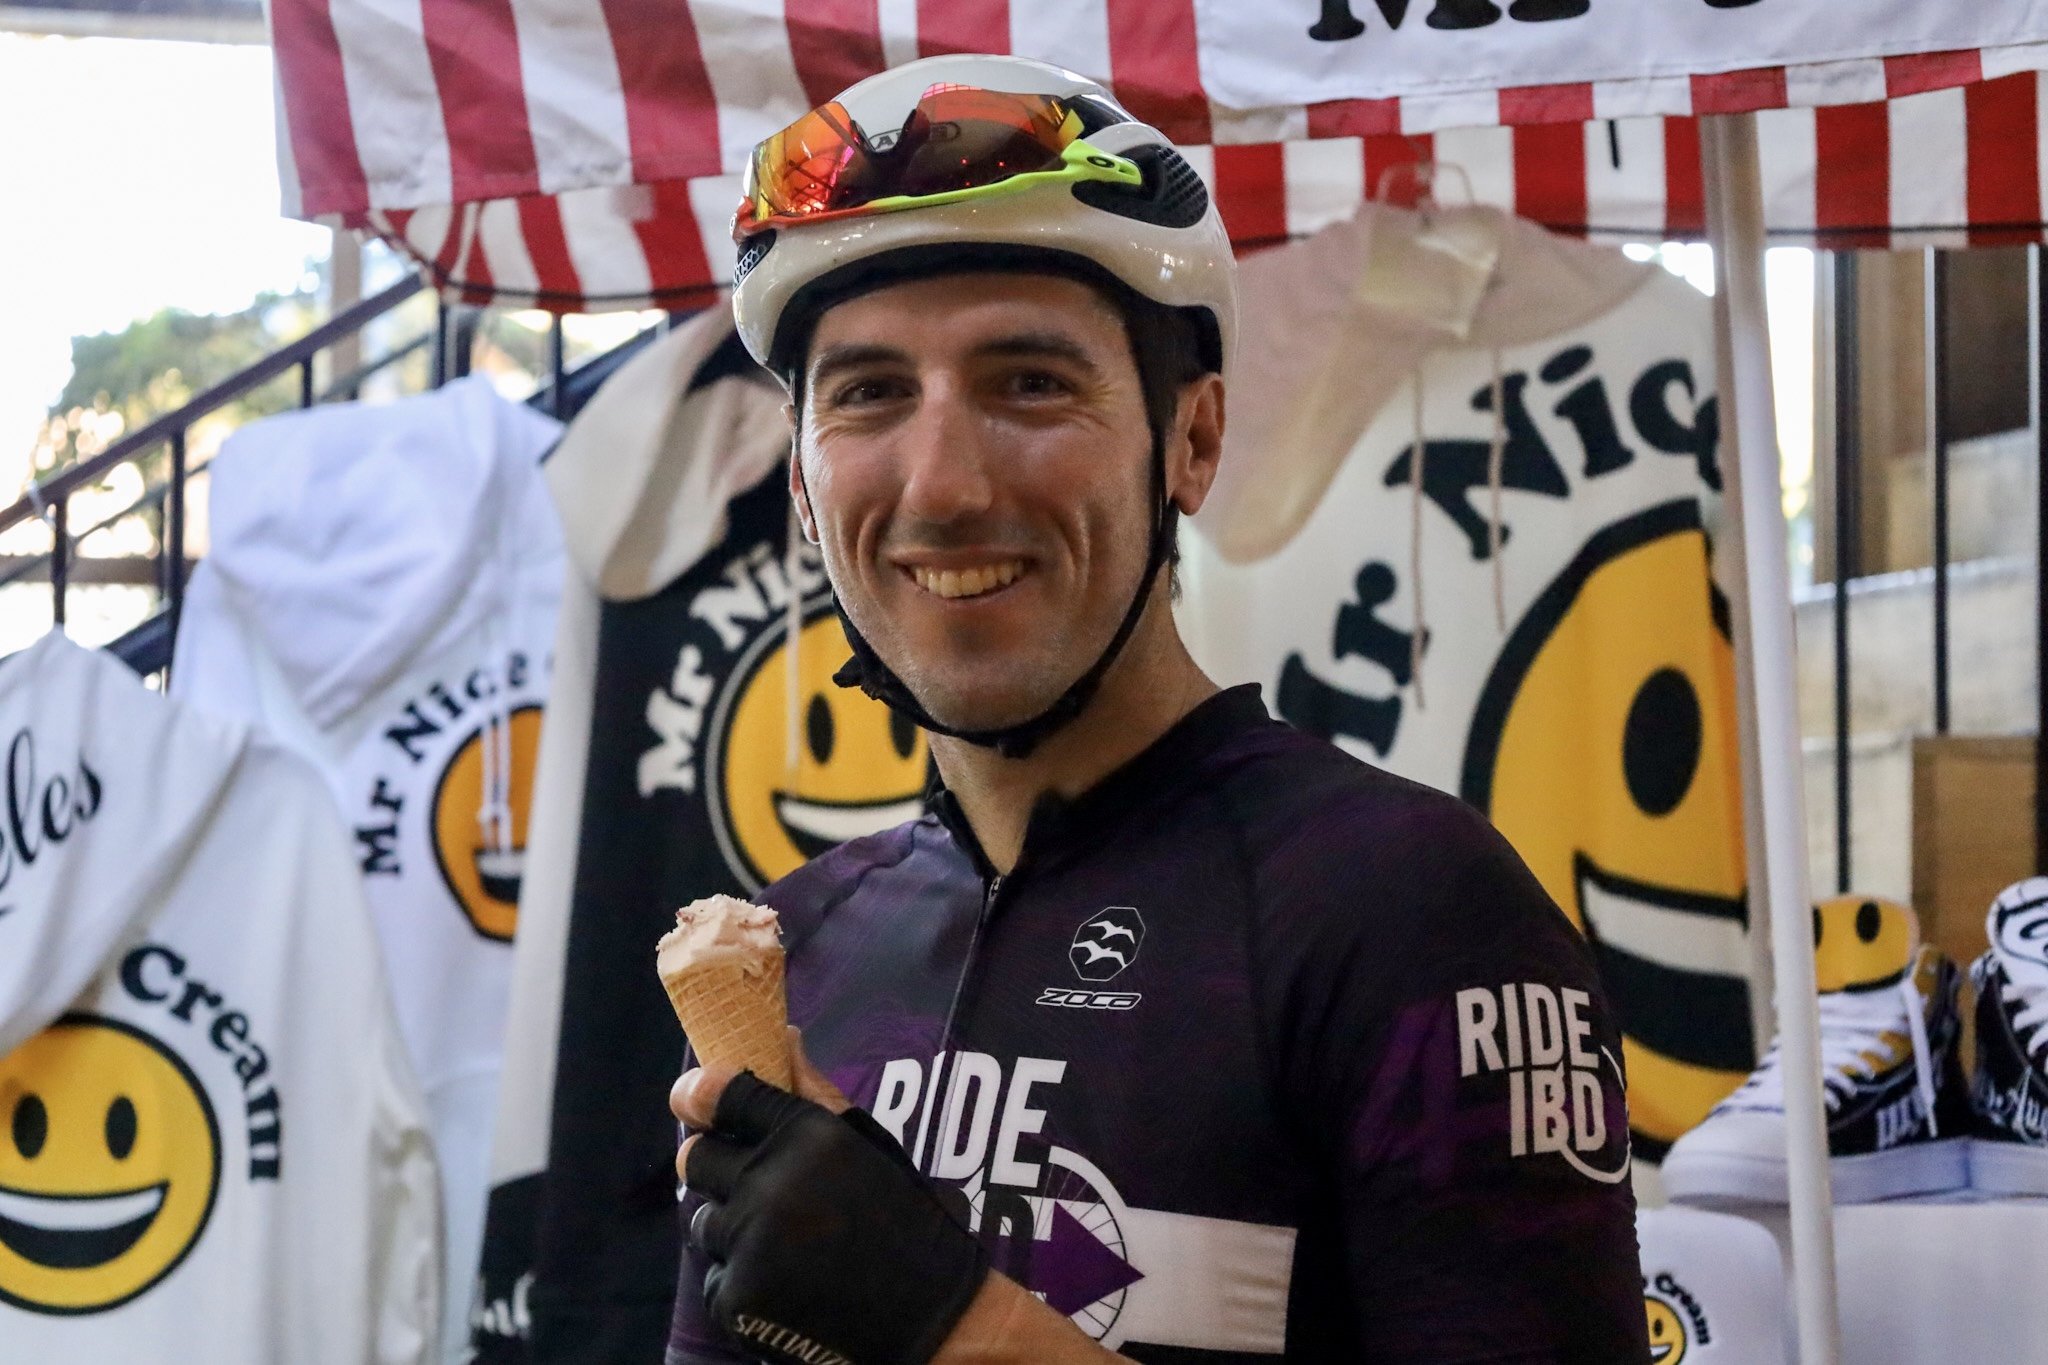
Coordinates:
(694, 1097)
(825, 1243)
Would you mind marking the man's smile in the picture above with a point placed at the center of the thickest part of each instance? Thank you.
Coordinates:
(969, 582)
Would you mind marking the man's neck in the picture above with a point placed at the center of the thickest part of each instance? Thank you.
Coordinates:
(1152, 685)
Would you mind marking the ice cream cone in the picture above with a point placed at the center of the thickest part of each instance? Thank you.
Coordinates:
(722, 969)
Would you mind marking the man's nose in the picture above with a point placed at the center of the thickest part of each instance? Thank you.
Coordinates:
(945, 477)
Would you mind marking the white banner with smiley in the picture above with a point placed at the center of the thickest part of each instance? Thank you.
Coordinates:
(1591, 713)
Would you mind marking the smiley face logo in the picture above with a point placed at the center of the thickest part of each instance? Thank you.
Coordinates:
(1667, 1332)
(482, 867)
(859, 767)
(1604, 748)
(109, 1163)
(1861, 942)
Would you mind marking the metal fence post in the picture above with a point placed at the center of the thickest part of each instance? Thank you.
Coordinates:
(60, 557)
(2037, 310)
(1848, 532)
(1937, 453)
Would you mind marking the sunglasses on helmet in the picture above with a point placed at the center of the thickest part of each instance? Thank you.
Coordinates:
(957, 143)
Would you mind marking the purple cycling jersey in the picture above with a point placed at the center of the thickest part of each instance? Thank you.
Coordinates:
(1257, 1052)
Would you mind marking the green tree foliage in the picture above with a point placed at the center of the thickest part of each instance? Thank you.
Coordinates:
(121, 380)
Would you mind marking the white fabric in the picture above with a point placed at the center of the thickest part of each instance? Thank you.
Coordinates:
(240, 949)
(642, 477)
(1297, 411)
(1713, 1288)
(2017, 929)
(1624, 188)
(1253, 58)
(1260, 74)
(1936, 1283)
(381, 597)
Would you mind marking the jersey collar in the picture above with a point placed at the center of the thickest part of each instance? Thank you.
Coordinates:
(1062, 825)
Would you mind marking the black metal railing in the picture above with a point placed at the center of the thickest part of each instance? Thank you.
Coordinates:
(147, 647)
(1847, 521)
(50, 499)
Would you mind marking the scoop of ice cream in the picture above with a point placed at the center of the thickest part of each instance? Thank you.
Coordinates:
(719, 930)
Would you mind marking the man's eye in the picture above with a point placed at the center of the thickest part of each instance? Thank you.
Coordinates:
(1037, 384)
(865, 391)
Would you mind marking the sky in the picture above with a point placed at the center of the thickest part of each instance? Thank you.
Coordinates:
(137, 175)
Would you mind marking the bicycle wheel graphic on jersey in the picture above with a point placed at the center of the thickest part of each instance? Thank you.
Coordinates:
(1076, 1258)
(1076, 1189)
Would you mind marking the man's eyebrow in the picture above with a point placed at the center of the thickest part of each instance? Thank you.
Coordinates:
(1015, 345)
(852, 355)
(1040, 345)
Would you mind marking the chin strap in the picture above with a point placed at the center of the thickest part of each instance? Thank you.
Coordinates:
(866, 671)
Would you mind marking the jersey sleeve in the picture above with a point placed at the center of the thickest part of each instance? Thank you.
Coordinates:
(1443, 1049)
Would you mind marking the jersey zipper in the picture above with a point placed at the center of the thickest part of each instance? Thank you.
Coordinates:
(988, 906)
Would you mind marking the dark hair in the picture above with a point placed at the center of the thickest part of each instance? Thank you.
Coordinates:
(1166, 344)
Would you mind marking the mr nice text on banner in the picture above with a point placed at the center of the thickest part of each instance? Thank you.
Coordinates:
(1306, 51)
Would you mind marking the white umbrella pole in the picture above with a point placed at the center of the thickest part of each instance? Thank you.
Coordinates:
(1762, 576)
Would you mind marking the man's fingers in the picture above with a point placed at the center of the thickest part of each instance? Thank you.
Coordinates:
(683, 1158)
(708, 1231)
(693, 1099)
(710, 1165)
(749, 1109)
(811, 1083)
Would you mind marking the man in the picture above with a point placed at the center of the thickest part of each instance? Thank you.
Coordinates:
(1176, 1034)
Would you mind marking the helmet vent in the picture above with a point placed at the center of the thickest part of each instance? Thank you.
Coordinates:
(1172, 195)
(753, 253)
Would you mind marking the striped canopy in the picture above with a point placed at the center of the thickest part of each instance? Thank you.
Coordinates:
(582, 154)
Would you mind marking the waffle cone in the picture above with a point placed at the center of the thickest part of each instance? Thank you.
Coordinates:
(735, 1014)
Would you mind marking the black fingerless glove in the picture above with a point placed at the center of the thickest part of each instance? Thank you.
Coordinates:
(827, 1246)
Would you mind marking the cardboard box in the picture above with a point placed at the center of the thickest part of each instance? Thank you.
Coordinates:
(1973, 832)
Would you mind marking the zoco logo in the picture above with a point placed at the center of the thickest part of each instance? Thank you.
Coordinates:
(109, 1164)
(1107, 944)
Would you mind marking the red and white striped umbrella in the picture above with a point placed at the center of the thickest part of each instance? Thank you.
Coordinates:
(584, 153)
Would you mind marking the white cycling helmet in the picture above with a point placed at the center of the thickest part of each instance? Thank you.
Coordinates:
(973, 162)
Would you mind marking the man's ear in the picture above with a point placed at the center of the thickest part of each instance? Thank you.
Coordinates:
(1195, 452)
(800, 494)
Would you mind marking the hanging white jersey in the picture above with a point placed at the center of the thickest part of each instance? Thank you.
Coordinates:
(212, 1147)
(381, 596)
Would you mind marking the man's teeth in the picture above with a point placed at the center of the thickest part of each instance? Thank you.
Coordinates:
(968, 582)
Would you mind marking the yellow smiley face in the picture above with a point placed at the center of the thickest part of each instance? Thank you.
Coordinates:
(1860, 942)
(859, 768)
(1667, 1332)
(482, 872)
(1604, 749)
(109, 1162)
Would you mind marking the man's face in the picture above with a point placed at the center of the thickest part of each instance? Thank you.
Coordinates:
(978, 465)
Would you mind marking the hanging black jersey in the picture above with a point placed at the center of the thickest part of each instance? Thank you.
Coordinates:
(692, 789)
